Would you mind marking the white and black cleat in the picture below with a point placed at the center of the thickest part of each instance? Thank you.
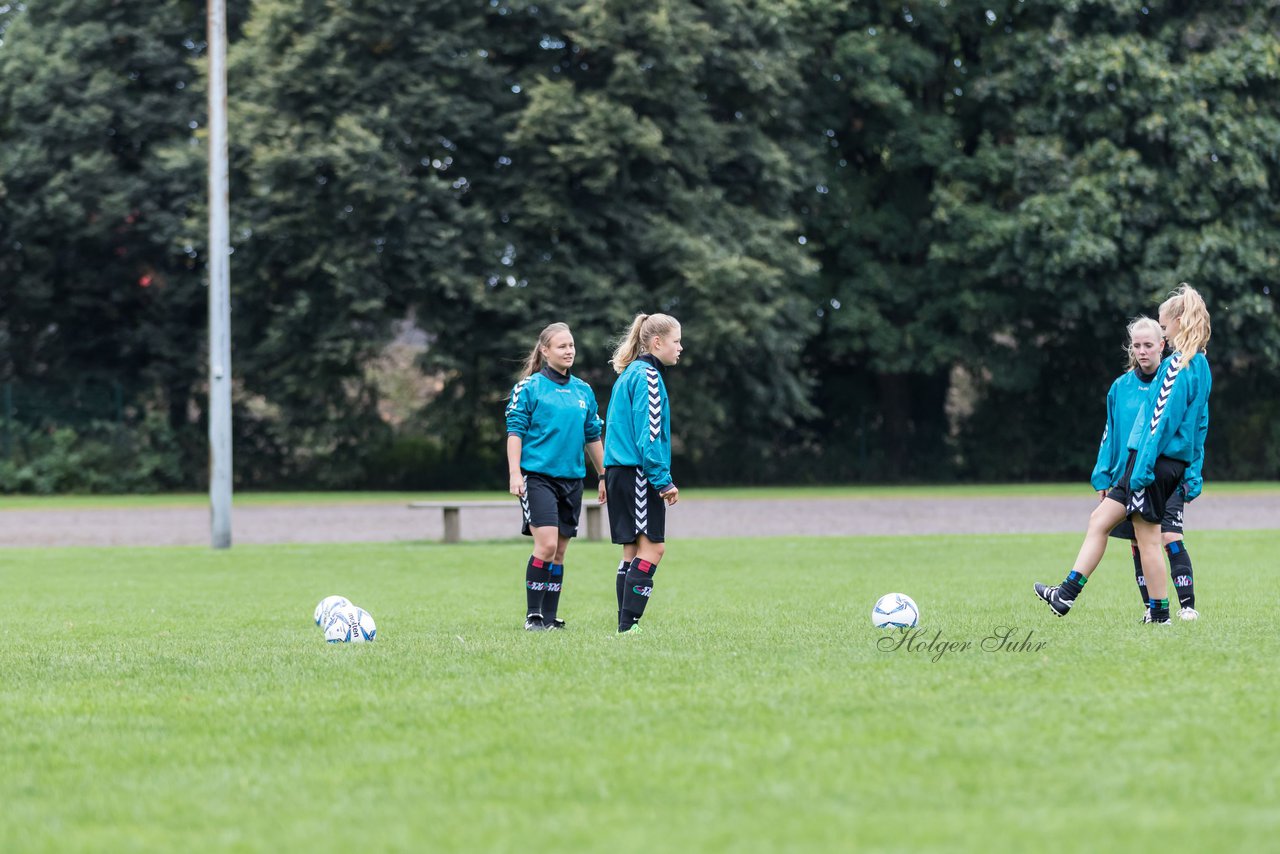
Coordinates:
(1054, 598)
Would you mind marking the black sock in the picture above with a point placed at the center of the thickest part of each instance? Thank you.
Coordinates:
(1159, 610)
(639, 584)
(1072, 585)
(622, 584)
(535, 584)
(1180, 569)
(1137, 574)
(551, 602)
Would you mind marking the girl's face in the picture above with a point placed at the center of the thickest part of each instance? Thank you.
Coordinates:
(1170, 324)
(559, 352)
(1147, 348)
(667, 348)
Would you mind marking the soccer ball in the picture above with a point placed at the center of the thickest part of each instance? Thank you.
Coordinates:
(895, 611)
(325, 609)
(350, 624)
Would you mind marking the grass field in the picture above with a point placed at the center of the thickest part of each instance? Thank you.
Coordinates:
(777, 493)
(182, 700)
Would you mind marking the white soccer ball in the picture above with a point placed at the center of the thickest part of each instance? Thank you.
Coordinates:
(325, 609)
(895, 611)
(350, 624)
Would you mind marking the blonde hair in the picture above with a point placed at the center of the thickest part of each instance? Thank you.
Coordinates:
(631, 345)
(1194, 330)
(533, 362)
(1141, 323)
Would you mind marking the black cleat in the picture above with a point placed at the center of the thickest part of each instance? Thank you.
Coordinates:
(556, 624)
(534, 623)
(1053, 596)
(1146, 618)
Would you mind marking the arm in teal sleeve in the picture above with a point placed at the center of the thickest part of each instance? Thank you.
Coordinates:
(1194, 477)
(520, 409)
(1102, 470)
(646, 418)
(1173, 390)
(593, 427)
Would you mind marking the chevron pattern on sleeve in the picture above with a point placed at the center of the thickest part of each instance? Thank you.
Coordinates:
(655, 403)
(515, 393)
(1169, 379)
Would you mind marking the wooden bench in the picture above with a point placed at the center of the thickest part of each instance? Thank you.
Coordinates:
(453, 515)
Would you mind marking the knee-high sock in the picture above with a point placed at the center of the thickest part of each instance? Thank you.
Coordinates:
(622, 583)
(1180, 569)
(551, 602)
(535, 584)
(1137, 574)
(639, 585)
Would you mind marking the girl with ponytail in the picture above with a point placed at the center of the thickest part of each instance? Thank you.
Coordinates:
(551, 417)
(1125, 400)
(637, 457)
(1166, 446)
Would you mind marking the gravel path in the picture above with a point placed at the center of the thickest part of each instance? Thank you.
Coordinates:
(690, 518)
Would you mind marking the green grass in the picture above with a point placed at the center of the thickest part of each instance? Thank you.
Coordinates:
(778, 493)
(182, 700)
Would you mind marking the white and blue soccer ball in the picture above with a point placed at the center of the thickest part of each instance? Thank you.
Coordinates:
(325, 609)
(350, 624)
(895, 611)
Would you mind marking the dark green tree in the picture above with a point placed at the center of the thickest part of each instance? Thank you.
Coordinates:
(653, 162)
(358, 134)
(1126, 150)
(94, 286)
(888, 112)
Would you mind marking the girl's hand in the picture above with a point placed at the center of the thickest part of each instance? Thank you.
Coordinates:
(603, 496)
(516, 485)
(671, 496)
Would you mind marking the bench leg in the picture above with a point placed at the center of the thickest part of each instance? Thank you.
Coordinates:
(452, 525)
(594, 528)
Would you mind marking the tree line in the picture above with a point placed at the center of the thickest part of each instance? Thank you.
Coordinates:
(903, 239)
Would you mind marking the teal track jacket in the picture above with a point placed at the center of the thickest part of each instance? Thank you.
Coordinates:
(554, 421)
(1125, 400)
(638, 426)
(1174, 422)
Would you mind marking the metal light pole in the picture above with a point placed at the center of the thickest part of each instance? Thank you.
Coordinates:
(219, 283)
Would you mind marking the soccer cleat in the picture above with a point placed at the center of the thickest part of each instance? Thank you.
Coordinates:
(556, 624)
(1146, 618)
(634, 630)
(1053, 596)
(534, 623)
(1161, 621)
(1188, 614)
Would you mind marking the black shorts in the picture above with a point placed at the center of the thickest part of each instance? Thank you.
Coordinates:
(1150, 501)
(1170, 522)
(551, 501)
(635, 507)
